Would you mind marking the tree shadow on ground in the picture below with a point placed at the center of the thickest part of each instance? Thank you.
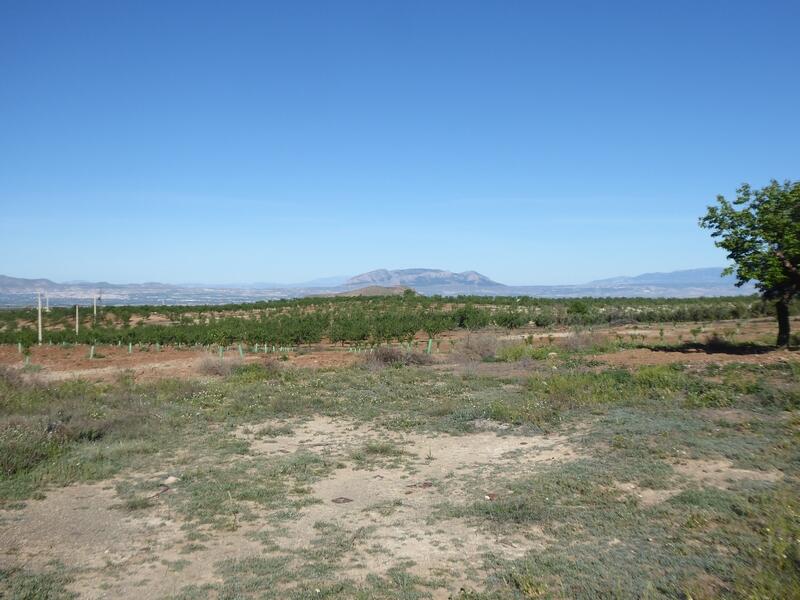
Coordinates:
(717, 346)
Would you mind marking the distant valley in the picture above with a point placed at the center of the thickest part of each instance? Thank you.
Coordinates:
(691, 283)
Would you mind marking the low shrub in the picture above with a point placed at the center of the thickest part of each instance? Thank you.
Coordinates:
(511, 319)
(220, 367)
(587, 341)
(258, 371)
(517, 352)
(26, 443)
(10, 376)
(478, 347)
(384, 356)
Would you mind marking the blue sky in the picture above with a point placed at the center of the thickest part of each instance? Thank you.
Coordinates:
(534, 142)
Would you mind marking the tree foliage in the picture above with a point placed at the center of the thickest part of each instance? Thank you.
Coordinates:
(760, 231)
(361, 320)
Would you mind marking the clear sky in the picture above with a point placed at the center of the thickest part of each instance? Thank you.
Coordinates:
(535, 142)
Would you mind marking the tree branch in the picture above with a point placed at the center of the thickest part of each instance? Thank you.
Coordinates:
(794, 273)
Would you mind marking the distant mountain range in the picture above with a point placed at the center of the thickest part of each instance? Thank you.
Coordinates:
(422, 278)
(708, 276)
(16, 291)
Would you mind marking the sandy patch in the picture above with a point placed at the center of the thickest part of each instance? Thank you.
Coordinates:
(398, 503)
(721, 473)
(715, 473)
(114, 553)
(645, 496)
(391, 507)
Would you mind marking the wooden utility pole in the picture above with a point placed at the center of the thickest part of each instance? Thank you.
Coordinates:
(39, 301)
(95, 307)
(77, 319)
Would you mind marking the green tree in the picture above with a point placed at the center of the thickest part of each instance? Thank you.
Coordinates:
(436, 323)
(760, 230)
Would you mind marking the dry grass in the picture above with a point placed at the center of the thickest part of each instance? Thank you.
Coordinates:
(387, 356)
(582, 341)
(219, 367)
(637, 490)
(476, 348)
(10, 376)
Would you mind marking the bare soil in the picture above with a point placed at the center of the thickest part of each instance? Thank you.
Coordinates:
(388, 511)
(645, 356)
(124, 554)
(56, 363)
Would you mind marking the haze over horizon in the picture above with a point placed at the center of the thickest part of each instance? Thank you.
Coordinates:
(336, 280)
(283, 143)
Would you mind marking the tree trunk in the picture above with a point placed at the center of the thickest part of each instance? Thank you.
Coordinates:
(782, 308)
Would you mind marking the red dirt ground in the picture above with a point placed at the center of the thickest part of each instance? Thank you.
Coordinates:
(57, 362)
